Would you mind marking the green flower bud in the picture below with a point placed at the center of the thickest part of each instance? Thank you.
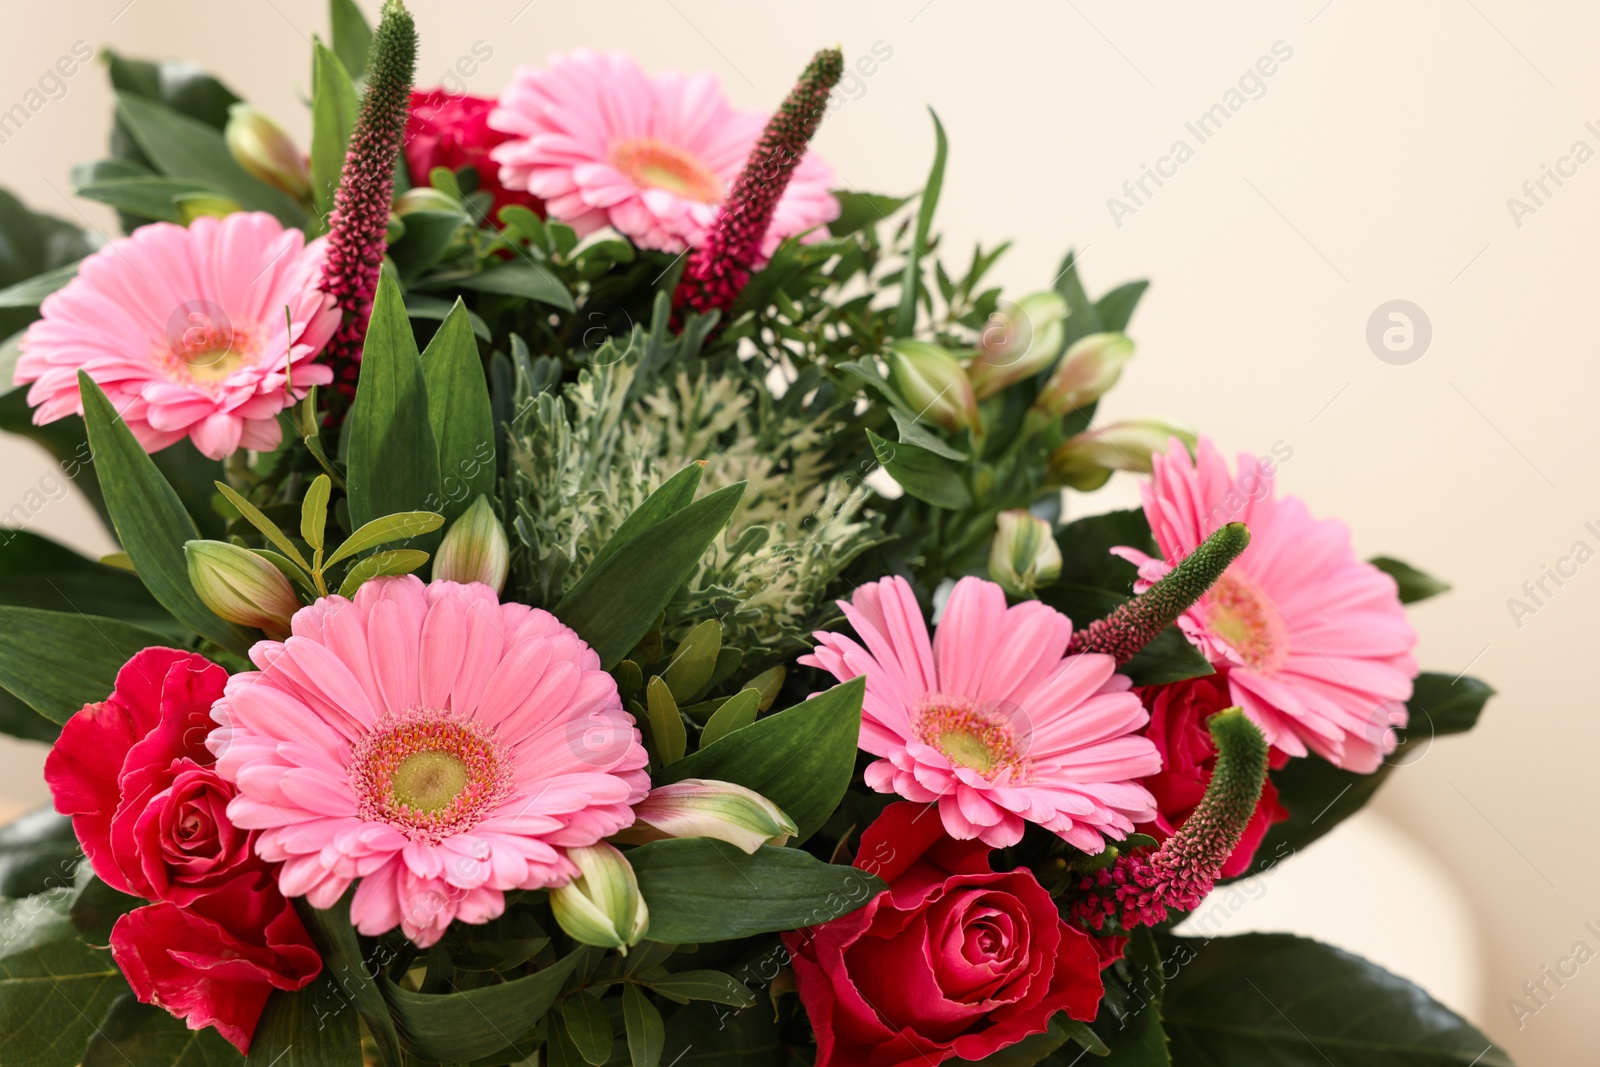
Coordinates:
(1090, 367)
(262, 148)
(931, 381)
(241, 586)
(475, 549)
(1024, 555)
(602, 906)
(1085, 462)
(1019, 341)
(203, 205)
(426, 198)
(698, 808)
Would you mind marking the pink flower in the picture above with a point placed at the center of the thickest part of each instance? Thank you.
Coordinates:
(952, 959)
(602, 143)
(216, 961)
(432, 742)
(451, 130)
(993, 720)
(1313, 642)
(185, 331)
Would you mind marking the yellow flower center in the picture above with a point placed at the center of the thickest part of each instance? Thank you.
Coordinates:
(428, 781)
(978, 737)
(653, 164)
(428, 774)
(1238, 613)
(201, 350)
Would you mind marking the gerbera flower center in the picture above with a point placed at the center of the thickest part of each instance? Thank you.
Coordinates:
(968, 734)
(1239, 614)
(428, 774)
(202, 351)
(655, 164)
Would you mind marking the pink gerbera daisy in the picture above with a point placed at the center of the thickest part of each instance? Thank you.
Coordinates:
(1313, 642)
(603, 143)
(431, 741)
(992, 720)
(186, 331)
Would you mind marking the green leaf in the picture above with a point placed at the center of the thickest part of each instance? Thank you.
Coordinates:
(694, 660)
(381, 565)
(179, 84)
(393, 459)
(1115, 309)
(801, 759)
(913, 432)
(134, 1033)
(1441, 704)
(531, 281)
(1276, 998)
(149, 198)
(710, 1035)
(96, 907)
(714, 986)
(333, 115)
(355, 972)
(150, 520)
(911, 280)
(673, 496)
(666, 723)
(617, 600)
(182, 147)
(1086, 546)
(860, 211)
(1131, 1023)
(434, 309)
(460, 1026)
(428, 238)
(923, 474)
(587, 1025)
(58, 662)
(1169, 658)
(54, 989)
(36, 572)
(1413, 584)
(31, 292)
(737, 712)
(38, 852)
(314, 511)
(266, 526)
(646, 1031)
(401, 526)
(352, 36)
(458, 408)
(699, 889)
(310, 1027)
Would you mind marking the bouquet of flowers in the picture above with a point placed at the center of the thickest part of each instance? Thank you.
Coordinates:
(592, 593)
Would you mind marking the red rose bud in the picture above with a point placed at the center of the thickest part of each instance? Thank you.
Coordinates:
(1086, 461)
(359, 225)
(267, 152)
(1088, 370)
(718, 270)
(1137, 622)
(1019, 341)
(931, 382)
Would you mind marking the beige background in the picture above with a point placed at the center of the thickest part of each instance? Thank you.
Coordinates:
(1375, 165)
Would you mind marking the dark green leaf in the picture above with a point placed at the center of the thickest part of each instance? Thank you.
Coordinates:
(460, 1026)
(311, 1027)
(354, 971)
(36, 572)
(911, 280)
(646, 1031)
(393, 458)
(352, 36)
(428, 238)
(22, 722)
(531, 281)
(1441, 704)
(1086, 546)
(142, 1034)
(333, 116)
(57, 662)
(715, 986)
(1132, 1025)
(700, 889)
(148, 198)
(669, 737)
(1115, 309)
(96, 907)
(1169, 658)
(921, 473)
(858, 211)
(182, 147)
(800, 759)
(1413, 584)
(1276, 998)
(913, 432)
(458, 408)
(435, 309)
(54, 989)
(673, 496)
(616, 601)
(150, 520)
(713, 1035)
(30, 292)
(179, 84)
(38, 852)
(586, 1023)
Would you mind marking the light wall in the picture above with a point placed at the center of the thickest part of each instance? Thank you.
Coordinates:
(1374, 164)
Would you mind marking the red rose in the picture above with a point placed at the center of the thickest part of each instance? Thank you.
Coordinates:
(215, 962)
(1178, 714)
(451, 130)
(953, 959)
(135, 775)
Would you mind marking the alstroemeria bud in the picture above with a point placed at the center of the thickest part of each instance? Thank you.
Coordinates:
(240, 586)
(1085, 461)
(931, 381)
(1019, 341)
(204, 205)
(425, 198)
(475, 549)
(698, 808)
(602, 906)
(262, 148)
(1024, 555)
(1090, 367)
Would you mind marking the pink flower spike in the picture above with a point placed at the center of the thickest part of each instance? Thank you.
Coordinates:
(992, 720)
(438, 745)
(1313, 642)
(185, 331)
